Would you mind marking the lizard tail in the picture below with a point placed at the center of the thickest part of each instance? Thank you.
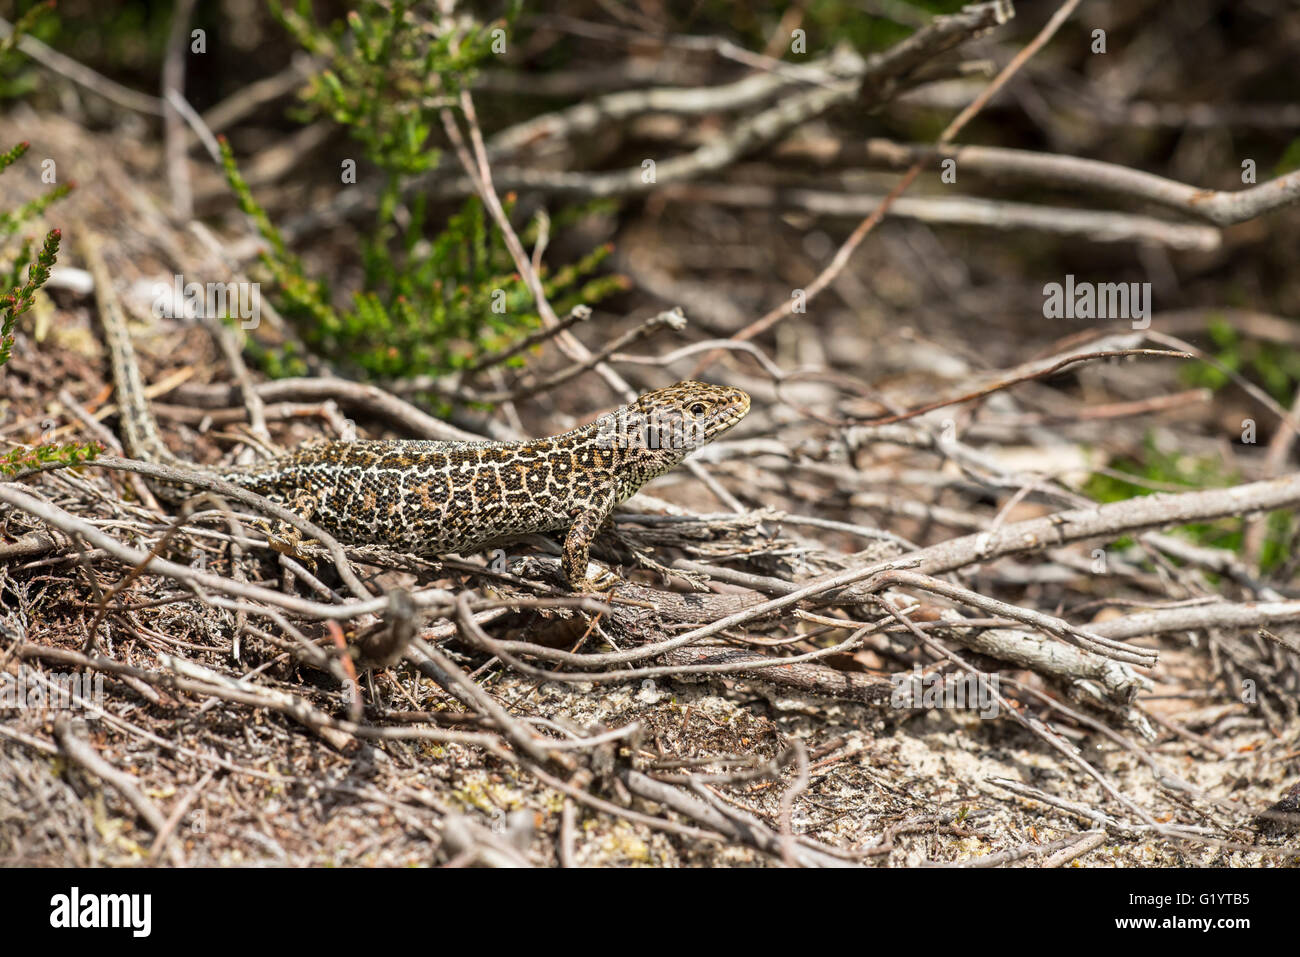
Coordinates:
(140, 433)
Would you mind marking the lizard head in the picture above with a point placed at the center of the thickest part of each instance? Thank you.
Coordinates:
(661, 428)
(690, 414)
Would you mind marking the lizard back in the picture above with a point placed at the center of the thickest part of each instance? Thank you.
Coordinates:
(429, 497)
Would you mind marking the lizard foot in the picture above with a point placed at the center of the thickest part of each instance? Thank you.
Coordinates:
(597, 581)
(287, 540)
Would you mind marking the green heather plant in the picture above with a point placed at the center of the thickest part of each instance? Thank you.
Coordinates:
(1274, 367)
(430, 302)
(1157, 469)
(15, 77)
(19, 462)
(17, 296)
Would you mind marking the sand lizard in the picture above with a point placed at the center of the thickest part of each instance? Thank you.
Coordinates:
(433, 497)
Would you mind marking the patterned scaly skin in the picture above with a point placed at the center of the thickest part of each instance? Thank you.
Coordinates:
(431, 497)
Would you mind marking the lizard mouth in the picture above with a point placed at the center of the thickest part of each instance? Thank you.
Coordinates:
(737, 408)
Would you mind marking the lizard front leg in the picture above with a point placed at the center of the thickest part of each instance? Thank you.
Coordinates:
(577, 552)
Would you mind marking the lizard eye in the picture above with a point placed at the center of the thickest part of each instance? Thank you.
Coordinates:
(697, 408)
